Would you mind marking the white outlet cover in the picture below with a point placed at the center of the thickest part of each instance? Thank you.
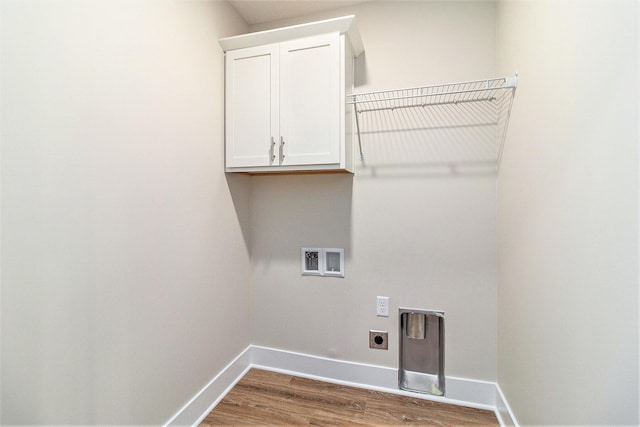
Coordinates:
(382, 306)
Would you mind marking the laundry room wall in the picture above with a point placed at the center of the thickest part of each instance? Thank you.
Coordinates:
(416, 225)
(124, 254)
(568, 213)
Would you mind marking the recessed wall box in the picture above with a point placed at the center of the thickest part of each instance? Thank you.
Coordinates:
(422, 351)
(311, 261)
(334, 262)
(322, 262)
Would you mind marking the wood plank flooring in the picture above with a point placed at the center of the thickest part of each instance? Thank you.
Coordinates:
(269, 399)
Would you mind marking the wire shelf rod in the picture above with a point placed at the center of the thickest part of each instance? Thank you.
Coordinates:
(431, 104)
(354, 99)
(485, 81)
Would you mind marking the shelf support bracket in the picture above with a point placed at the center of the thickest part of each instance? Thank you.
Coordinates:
(355, 109)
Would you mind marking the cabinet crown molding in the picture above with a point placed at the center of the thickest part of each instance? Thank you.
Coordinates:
(344, 25)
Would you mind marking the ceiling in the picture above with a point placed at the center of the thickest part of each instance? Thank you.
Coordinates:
(259, 11)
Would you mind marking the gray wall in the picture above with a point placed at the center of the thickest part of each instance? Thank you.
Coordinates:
(123, 253)
(568, 213)
(413, 229)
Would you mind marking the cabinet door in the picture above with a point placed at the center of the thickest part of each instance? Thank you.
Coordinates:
(310, 100)
(251, 104)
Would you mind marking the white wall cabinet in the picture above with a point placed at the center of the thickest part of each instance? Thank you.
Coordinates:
(285, 101)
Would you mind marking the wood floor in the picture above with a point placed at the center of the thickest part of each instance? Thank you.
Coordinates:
(269, 399)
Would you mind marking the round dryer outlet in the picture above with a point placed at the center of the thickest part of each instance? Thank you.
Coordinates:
(379, 340)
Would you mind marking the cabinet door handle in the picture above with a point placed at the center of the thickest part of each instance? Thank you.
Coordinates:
(272, 150)
(281, 150)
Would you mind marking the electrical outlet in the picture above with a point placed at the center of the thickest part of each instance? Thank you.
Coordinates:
(382, 306)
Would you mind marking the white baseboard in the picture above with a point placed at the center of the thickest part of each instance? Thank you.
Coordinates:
(206, 399)
(503, 410)
(459, 391)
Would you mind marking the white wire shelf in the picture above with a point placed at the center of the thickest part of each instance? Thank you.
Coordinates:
(452, 105)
